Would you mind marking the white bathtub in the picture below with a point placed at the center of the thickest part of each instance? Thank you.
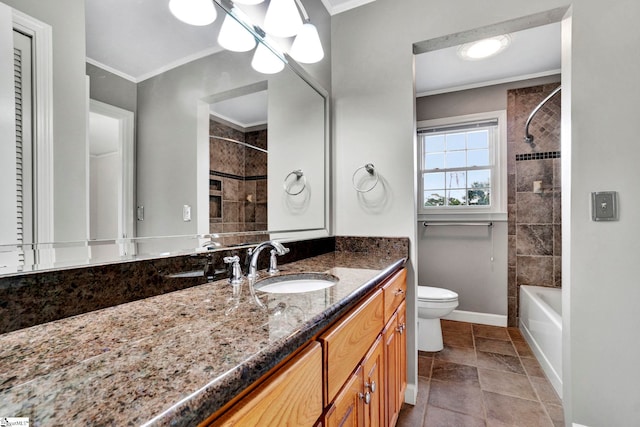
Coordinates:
(541, 325)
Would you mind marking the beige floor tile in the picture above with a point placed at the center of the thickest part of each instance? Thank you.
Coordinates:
(463, 398)
(462, 355)
(545, 391)
(506, 383)
(515, 411)
(439, 417)
(447, 371)
(458, 339)
(532, 367)
(523, 349)
(500, 362)
(424, 366)
(453, 326)
(493, 332)
(495, 346)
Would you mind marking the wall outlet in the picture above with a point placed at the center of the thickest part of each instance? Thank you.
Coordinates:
(186, 213)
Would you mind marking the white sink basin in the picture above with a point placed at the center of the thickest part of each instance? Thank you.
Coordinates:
(296, 283)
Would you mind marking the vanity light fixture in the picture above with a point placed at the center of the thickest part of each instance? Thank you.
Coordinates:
(282, 18)
(193, 12)
(265, 61)
(233, 36)
(485, 48)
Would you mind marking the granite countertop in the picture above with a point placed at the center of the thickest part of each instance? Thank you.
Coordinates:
(171, 359)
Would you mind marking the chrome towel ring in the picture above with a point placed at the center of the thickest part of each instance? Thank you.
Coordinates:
(299, 174)
(371, 170)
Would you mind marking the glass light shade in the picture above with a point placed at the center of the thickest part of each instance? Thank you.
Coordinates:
(306, 47)
(194, 12)
(249, 2)
(484, 48)
(265, 61)
(282, 18)
(235, 37)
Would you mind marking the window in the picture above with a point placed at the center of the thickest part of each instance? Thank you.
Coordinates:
(460, 164)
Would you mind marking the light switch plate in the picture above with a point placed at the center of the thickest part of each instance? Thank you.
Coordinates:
(186, 213)
(604, 206)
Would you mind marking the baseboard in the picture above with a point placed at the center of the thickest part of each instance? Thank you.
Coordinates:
(578, 425)
(480, 318)
(411, 394)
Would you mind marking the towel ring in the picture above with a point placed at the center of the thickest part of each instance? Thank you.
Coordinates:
(299, 175)
(371, 170)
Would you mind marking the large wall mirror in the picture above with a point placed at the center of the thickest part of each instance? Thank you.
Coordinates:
(144, 138)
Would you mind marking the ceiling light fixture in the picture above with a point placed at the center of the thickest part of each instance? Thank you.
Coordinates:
(193, 12)
(234, 36)
(485, 48)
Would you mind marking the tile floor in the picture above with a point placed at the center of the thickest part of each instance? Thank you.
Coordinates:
(484, 376)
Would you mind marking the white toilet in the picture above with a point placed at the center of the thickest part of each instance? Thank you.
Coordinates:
(433, 303)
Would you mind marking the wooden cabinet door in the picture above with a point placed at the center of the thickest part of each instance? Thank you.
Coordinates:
(347, 342)
(391, 356)
(373, 387)
(402, 353)
(291, 397)
(347, 408)
(395, 291)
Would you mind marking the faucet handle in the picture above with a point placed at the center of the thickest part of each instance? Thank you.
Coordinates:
(236, 271)
(273, 263)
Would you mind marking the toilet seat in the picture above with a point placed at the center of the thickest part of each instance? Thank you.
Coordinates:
(432, 294)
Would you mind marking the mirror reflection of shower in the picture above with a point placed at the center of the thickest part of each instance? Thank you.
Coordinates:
(238, 155)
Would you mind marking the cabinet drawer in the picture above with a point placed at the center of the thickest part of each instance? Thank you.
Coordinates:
(292, 396)
(347, 342)
(395, 291)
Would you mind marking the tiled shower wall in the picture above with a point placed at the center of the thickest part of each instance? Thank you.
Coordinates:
(534, 218)
(237, 181)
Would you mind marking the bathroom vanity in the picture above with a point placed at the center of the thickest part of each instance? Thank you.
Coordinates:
(207, 354)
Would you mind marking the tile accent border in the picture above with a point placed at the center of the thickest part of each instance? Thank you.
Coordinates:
(538, 156)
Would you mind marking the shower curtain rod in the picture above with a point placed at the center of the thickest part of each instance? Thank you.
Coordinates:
(528, 138)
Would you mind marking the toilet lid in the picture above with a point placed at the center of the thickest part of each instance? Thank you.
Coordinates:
(429, 293)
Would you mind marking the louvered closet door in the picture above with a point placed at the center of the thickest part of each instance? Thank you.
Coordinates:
(24, 141)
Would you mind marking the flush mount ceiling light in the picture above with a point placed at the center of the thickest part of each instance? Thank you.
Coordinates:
(282, 18)
(482, 49)
(233, 36)
(193, 12)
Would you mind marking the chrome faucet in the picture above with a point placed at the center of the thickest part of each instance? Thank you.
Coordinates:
(255, 252)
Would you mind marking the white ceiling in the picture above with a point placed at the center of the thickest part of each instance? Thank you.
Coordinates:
(532, 53)
(245, 111)
(339, 6)
(138, 39)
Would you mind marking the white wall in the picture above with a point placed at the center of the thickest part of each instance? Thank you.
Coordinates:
(373, 100)
(104, 171)
(296, 141)
(69, 104)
